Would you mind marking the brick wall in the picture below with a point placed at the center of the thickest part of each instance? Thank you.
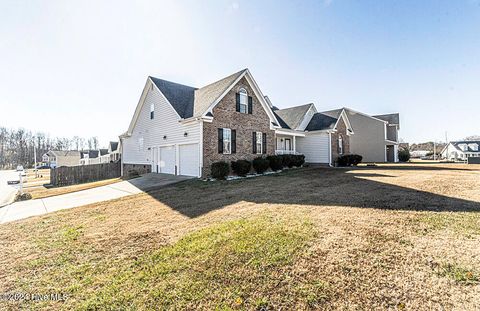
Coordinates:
(341, 131)
(130, 169)
(226, 116)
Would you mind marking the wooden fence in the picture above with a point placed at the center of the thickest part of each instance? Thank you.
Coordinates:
(71, 175)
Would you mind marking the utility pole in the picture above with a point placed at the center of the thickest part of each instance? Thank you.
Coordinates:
(446, 146)
(35, 158)
(434, 150)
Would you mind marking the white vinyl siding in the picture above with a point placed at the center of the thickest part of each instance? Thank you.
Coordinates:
(315, 147)
(148, 133)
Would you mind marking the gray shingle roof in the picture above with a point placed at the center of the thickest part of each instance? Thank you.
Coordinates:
(180, 96)
(208, 94)
(103, 151)
(189, 101)
(113, 145)
(469, 149)
(292, 117)
(321, 121)
(333, 113)
(392, 118)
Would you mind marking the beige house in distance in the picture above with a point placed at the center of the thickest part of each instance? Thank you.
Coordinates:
(57, 158)
(376, 137)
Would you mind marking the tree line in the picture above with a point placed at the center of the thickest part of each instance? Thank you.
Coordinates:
(17, 146)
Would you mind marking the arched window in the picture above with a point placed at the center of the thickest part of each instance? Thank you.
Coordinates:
(340, 145)
(243, 100)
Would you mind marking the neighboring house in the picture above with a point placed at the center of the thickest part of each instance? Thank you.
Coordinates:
(182, 130)
(461, 150)
(376, 137)
(110, 155)
(88, 157)
(57, 158)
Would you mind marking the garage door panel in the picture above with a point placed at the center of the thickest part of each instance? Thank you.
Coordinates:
(189, 160)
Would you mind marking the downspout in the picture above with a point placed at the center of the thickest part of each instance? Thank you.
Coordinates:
(121, 156)
(330, 149)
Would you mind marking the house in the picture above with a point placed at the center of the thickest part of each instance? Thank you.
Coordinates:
(182, 130)
(110, 155)
(376, 137)
(461, 150)
(88, 157)
(57, 158)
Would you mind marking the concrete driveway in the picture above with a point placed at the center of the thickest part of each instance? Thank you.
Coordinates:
(7, 192)
(25, 209)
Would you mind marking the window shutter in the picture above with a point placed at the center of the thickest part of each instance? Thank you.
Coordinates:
(264, 143)
(250, 104)
(238, 102)
(220, 140)
(254, 142)
(234, 141)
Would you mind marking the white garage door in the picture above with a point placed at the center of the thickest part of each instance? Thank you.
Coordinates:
(315, 147)
(166, 161)
(189, 160)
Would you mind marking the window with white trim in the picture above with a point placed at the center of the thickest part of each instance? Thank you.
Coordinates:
(340, 145)
(259, 142)
(227, 141)
(243, 100)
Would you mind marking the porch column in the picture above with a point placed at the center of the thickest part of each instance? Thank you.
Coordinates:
(294, 145)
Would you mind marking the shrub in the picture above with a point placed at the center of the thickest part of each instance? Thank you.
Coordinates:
(220, 170)
(298, 160)
(287, 160)
(404, 155)
(275, 162)
(260, 165)
(23, 196)
(349, 160)
(241, 167)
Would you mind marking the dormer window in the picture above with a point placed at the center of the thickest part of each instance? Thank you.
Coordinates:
(243, 100)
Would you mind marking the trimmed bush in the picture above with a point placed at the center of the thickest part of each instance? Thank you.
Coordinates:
(241, 167)
(404, 155)
(220, 170)
(349, 160)
(275, 162)
(298, 160)
(286, 160)
(23, 197)
(260, 165)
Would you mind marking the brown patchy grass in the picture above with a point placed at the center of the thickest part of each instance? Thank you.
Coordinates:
(40, 192)
(402, 236)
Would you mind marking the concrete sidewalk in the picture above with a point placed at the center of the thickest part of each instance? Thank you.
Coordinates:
(25, 209)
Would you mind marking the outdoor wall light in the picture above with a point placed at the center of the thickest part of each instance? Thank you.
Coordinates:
(164, 136)
(185, 134)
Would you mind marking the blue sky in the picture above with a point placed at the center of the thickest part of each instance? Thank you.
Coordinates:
(78, 67)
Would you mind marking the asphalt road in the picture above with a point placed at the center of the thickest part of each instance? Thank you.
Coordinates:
(7, 192)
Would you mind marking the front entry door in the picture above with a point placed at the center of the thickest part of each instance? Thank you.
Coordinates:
(288, 145)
